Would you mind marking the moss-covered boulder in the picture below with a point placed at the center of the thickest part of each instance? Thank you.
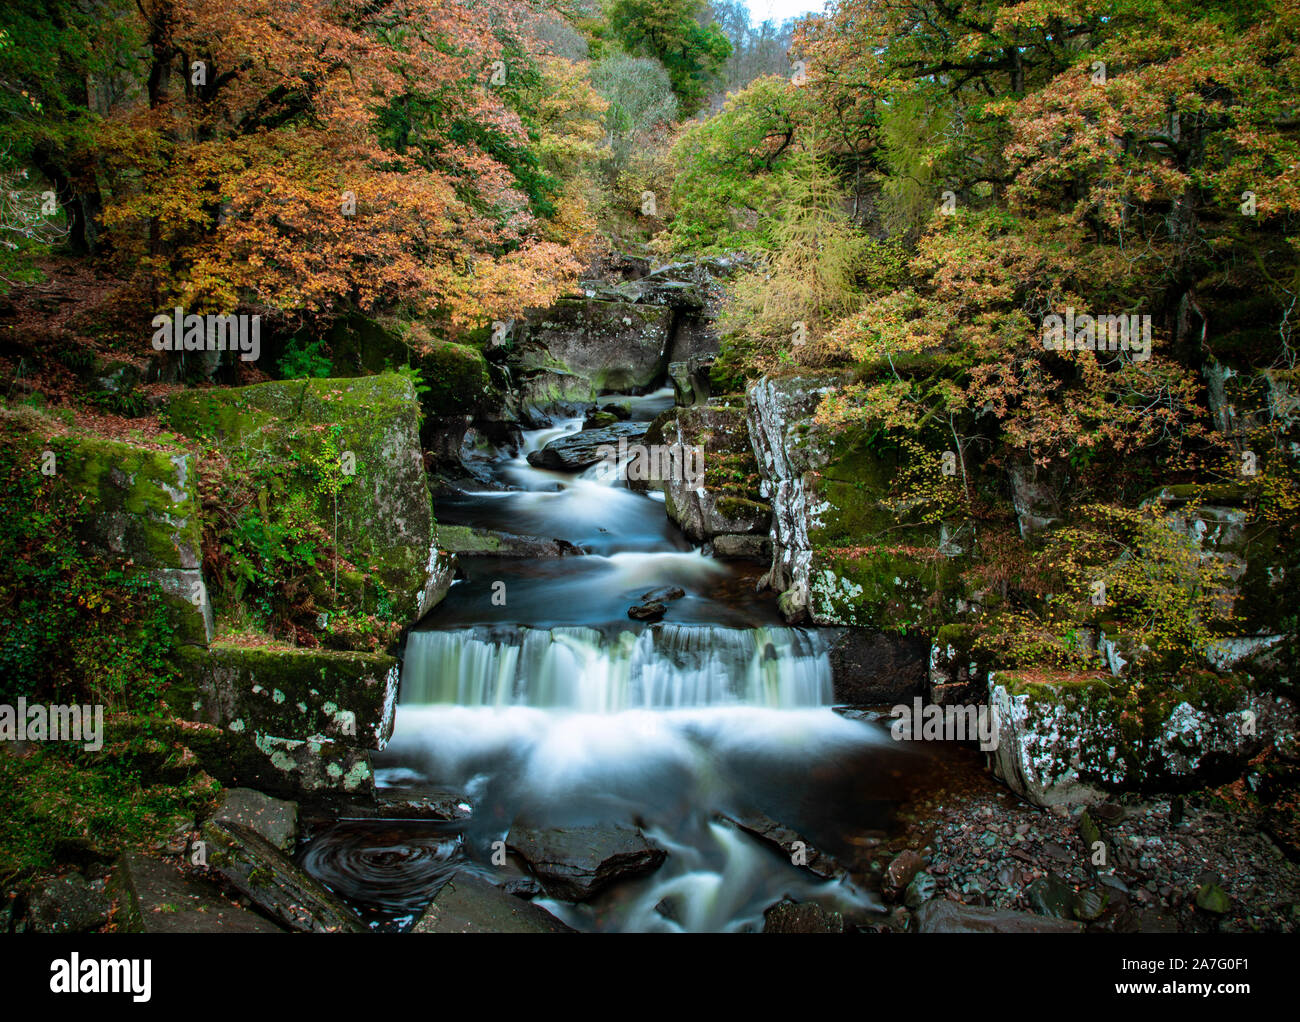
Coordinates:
(1080, 738)
(365, 431)
(716, 491)
(614, 345)
(347, 697)
(141, 511)
(456, 377)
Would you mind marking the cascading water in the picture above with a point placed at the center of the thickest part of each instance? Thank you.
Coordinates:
(584, 669)
(549, 708)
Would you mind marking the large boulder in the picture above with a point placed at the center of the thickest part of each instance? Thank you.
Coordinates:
(142, 511)
(467, 904)
(613, 345)
(577, 863)
(289, 692)
(1079, 738)
(384, 517)
(723, 498)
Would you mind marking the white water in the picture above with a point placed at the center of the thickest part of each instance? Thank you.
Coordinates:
(664, 725)
(576, 668)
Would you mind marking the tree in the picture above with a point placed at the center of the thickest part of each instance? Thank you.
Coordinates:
(671, 32)
(309, 154)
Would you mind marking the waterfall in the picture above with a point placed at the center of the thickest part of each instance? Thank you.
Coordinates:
(666, 666)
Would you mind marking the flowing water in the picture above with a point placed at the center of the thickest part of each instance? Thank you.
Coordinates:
(530, 695)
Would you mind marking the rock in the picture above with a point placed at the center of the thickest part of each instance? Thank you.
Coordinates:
(290, 692)
(468, 904)
(274, 819)
(690, 380)
(870, 668)
(620, 411)
(600, 419)
(1089, 905)
(576, 451)
(958, 672)
(919, 891)
(900, 871)
(830, 509)
(547, 393)
(1067, 740)
(1211, 898)
(70, 904)
(384, 511)
(576, 863)
(652, 611)
(469, 542)
(1088, 830)
(616, 345)
(743, 548)
(1050, 896)
(943, 916)
(156, 897)
(796, 917)
(665, 594)
(1034, 492)
(141, 513)
(263, 874)
(718, 497)
(789, 844)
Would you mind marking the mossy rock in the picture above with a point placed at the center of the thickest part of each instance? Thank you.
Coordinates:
(457, 379)
(615, 345)
(384, 511)
(142, 512)
(1080, 738)
(362, 346)
(345, 696)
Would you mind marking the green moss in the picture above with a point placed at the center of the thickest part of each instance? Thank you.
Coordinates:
(301, 432)
(457, 379)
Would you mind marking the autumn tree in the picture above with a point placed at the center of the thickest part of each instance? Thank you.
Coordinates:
(311, 156)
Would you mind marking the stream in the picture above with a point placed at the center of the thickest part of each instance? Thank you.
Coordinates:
(531, 697)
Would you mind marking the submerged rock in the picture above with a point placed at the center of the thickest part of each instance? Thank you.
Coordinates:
(650, 611)
(576, 863)
(576, 451)
(468, 904)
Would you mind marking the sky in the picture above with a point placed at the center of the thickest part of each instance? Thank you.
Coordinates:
(780, 10)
